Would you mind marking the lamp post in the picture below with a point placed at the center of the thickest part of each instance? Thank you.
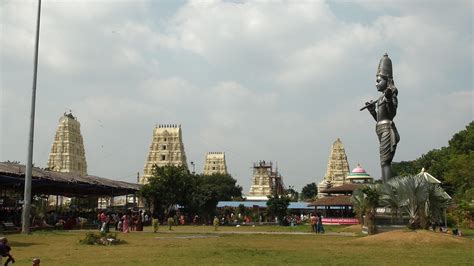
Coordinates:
(194, 167)
(25, 228)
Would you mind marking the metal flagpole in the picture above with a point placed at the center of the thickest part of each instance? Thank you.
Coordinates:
(25, 229)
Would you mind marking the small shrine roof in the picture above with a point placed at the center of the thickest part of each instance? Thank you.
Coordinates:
(341, 200)
(358, 170)
(349, 187)
(358, 173)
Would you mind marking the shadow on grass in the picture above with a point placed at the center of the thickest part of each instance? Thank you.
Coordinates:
(22, 244)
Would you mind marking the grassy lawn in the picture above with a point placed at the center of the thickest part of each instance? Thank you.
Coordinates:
(199, 245)
(248, 228)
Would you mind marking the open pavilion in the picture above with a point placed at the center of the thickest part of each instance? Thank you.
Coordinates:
(45, 182)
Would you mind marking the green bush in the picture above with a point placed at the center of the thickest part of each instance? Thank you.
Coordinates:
(90, 239)
(101, 239)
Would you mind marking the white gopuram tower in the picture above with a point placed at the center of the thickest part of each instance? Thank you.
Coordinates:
(338, 167)
(261, 181)
(215, 163)
(166, 148)
(67, 154)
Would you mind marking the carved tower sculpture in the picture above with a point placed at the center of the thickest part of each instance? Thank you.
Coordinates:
(265, 181)
(166, 148)
(215, 163)
(67, 153)
(261, 181)
(337, 169)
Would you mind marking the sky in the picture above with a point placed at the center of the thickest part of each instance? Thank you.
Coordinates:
(259, 80)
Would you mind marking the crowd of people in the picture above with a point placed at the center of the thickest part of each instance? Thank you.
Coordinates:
(126, 222)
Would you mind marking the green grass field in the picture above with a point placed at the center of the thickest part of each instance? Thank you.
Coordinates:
(201, 245)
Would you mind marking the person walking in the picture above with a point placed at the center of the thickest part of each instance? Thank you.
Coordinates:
(155, 224)
(170, 222)
(5, 251)
(103, 221)
(313, 222)
(320, 224)
(216, 223)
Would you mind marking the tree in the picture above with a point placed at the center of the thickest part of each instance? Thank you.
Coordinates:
(463, 141)
(359, 203)
(391, 199)
(453, 166)
(168, 186)
(210, 189)
(309, 191)
(372, 198)
(460, 172)
(292, 194)
(413, 192)
(365, 202)
(277, 206)
(195, 194)
(422, 201)
(404, 168)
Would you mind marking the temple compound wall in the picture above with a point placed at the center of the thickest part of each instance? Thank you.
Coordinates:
(67, 153)
(166, 148)
(215, 163)
(337, 169)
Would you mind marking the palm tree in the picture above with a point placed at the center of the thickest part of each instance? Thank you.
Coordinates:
(389, 198)
(422, 201)
(372, 195)
(359, 203)
(366, 201)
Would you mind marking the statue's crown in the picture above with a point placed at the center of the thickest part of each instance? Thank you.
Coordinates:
(385, 67)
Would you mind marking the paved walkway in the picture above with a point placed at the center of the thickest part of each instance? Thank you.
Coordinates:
(258, 233)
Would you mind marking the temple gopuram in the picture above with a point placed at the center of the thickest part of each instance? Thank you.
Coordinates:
(67, 153)
(215, 163)
(265, 181)
(166, 148)
(336, 206)
(337, 168)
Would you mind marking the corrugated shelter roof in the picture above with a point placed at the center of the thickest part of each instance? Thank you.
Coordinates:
(350, 187)
(65, 184)
(261, 204)
(299, 205)
(341, 200)
(247, 204)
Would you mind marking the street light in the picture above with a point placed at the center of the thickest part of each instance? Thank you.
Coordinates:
(25, 228)
(194, 167)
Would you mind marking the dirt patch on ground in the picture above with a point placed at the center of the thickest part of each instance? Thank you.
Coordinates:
(414, 237)
(356, 228)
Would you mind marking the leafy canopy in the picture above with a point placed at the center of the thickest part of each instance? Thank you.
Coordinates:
(196, 194)
(309, 191)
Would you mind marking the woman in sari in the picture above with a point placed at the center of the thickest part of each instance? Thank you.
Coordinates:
(125, 223)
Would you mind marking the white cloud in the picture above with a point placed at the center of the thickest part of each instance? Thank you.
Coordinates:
(272, 80)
